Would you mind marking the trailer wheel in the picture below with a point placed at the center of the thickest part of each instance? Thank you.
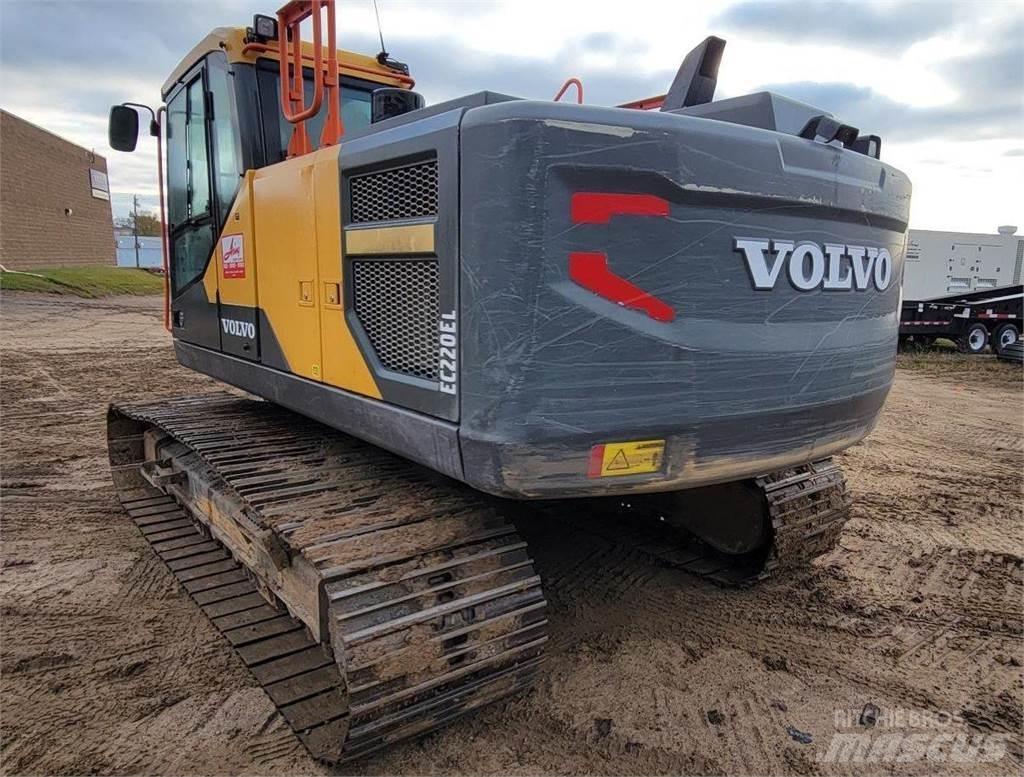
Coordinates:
(1005, 335)
(974, 340)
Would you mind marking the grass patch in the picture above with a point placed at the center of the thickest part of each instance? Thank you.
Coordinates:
(97, 281)
(949, 364)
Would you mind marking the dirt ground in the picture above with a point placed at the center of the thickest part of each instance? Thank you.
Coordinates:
(106, 667)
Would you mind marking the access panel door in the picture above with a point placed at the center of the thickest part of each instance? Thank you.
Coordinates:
(284, 210)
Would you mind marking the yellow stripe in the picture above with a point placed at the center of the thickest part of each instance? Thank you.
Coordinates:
(408, 239)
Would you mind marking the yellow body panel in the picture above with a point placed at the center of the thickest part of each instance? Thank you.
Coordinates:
(296, 211)
(409, 239)
(283, 210)
(238, 289)
(343, 364)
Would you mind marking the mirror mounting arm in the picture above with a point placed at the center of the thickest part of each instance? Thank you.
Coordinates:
(154, 123)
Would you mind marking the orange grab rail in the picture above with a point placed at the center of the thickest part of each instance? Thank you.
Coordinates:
(165, 248)
(325, 74)
(565, 87)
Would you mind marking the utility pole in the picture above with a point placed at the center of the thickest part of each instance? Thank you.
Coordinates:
(135, 226)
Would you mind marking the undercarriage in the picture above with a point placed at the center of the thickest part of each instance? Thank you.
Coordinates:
(375, 600)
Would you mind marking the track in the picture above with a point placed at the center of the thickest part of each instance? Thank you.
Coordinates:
(808, 506)
(373, 600)
(394, 601)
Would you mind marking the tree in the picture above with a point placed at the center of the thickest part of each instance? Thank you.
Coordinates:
(147, 224)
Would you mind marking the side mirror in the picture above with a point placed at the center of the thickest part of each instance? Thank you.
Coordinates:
(388, 102)
(123, 128)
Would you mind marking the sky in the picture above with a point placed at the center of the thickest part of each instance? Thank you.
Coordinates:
(941, 82)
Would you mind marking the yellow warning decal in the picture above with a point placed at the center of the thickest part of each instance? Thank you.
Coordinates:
(626, 458)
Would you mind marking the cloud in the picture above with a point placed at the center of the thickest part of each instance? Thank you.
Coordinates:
(927, 77)
(989, 83)
(875, 114)
(446, 68)
(858, 24)
(126, 38)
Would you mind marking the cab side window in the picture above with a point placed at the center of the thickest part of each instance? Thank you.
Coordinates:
(188, 185)
(177, 160)
(198, 167)
(227, 157)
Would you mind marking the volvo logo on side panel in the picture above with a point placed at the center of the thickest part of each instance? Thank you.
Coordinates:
(808, 266)
(238, 328)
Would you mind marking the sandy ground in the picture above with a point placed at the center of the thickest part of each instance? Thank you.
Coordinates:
(108, 668)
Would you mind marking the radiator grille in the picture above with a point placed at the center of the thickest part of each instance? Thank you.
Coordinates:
(402, 193)
(397, 302)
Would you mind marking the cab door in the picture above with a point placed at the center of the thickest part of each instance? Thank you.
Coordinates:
(190, 214)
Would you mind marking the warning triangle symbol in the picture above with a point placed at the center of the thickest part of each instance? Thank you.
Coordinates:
(619, 461)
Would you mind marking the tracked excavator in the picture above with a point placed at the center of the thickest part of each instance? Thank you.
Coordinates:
(673, 310)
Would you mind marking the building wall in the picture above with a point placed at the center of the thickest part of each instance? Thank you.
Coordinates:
(938, 264)
(42, 175)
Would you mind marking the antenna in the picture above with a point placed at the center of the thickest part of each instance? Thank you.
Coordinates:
(384, 58)
(380, 32)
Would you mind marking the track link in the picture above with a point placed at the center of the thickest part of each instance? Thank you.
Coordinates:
(808, 507)
(298, 673)
(372, 600)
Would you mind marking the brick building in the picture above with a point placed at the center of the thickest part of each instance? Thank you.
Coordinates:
(54, 200)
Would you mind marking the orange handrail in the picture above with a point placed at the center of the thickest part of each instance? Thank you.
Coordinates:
(293, 98)
(565, 87)
(325, 75)
(165, 248)
(333, 128)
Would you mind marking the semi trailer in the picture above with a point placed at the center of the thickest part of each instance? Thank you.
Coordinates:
(963, 287)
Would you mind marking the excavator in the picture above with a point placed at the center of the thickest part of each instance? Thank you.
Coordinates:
(435, 317)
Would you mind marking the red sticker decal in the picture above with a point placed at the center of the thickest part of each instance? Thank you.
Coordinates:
(590, 270)
(599, 207)
(233, 256)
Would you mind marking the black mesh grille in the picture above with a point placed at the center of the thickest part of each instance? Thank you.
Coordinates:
(402, 193)
(397, 302)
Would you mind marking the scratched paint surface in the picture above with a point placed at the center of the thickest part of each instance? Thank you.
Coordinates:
(738, 379)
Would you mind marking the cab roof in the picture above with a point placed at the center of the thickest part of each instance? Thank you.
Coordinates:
(232, 41)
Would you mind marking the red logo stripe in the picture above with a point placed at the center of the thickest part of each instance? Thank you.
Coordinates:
(598, 207)
(590, 270)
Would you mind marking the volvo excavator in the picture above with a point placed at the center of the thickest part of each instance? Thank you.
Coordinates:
(672, 310)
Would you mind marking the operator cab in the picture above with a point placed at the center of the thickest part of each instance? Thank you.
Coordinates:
(223, 116)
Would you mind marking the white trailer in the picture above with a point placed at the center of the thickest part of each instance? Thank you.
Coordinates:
(943, 264)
